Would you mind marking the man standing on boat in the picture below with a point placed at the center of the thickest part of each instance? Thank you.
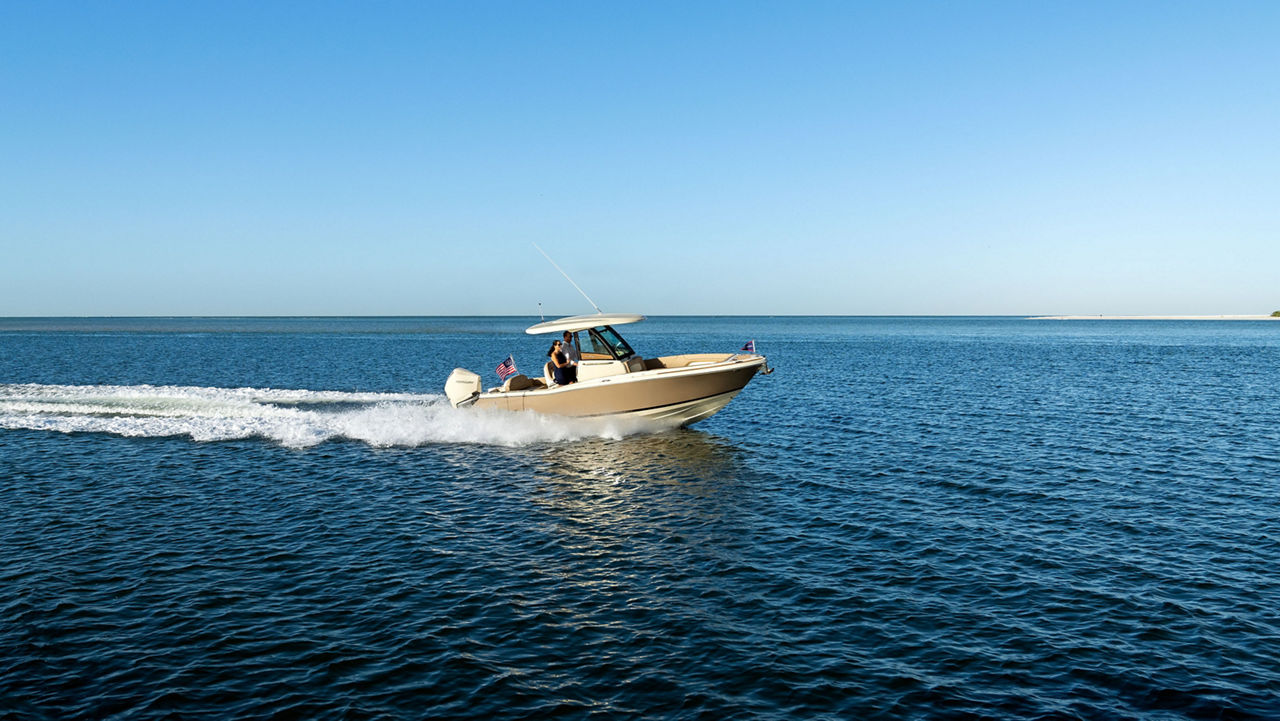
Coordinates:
(570, 347)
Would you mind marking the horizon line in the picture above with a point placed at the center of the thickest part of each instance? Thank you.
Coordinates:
(1029, 316)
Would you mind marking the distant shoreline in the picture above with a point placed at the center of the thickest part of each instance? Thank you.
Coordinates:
(1153, 317)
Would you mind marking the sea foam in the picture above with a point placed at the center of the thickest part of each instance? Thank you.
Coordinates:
(293, 418)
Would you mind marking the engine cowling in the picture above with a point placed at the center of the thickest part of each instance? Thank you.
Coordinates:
(462, 387)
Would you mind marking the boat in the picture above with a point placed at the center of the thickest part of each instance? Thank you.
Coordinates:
(613, 380)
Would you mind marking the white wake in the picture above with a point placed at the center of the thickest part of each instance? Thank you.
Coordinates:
(294, 418)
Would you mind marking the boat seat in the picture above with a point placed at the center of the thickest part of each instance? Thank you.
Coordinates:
(547, 375)
(518, 382)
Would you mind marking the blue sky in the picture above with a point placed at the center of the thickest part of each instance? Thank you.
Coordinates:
(318, 158)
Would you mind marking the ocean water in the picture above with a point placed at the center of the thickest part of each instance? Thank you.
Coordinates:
(911, 518)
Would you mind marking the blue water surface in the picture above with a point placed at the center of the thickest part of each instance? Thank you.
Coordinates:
(911, 518)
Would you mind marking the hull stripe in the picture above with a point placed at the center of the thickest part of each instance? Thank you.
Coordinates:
(665, 405)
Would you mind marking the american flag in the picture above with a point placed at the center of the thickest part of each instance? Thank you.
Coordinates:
(506, 368)
(750, 347)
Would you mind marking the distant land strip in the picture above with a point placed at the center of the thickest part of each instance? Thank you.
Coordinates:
(1154, 317)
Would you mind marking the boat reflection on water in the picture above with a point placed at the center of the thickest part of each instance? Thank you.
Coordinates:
(698, 461)
(641, 479)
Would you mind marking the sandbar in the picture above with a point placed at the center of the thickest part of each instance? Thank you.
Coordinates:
(1153, 317)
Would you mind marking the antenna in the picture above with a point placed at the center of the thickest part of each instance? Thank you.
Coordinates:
(566, 277)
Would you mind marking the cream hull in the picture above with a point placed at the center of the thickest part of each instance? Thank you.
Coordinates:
(676, 390)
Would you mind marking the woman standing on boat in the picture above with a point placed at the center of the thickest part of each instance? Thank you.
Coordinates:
(564, 371)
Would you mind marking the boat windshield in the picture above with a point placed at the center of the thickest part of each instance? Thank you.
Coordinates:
(604, 343)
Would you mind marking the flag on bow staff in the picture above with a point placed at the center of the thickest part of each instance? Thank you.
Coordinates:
(506, 368)
(750, 347)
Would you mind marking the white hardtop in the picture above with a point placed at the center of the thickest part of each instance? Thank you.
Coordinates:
(575, 323)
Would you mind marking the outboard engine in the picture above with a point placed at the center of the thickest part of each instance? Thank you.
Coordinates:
(462, 387)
